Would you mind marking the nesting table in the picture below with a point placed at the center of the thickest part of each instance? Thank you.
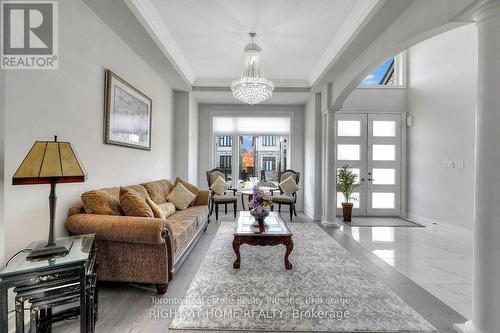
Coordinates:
(48, 284)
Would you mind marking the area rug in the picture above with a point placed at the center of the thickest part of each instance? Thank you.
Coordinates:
(326, 291)
(382, 222)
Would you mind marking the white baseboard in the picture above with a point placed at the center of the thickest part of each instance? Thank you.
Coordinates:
(466, 232)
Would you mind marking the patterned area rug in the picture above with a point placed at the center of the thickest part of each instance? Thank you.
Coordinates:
(326, 291)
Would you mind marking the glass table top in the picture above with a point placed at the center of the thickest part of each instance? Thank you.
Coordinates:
(80, 251)
(273, 226)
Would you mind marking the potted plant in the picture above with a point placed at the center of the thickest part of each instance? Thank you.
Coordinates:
(346, 184)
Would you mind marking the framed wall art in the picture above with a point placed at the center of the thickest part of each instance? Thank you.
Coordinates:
(127, 114)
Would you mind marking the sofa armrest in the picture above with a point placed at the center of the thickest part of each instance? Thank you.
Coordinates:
(129, 229)
(203, 198)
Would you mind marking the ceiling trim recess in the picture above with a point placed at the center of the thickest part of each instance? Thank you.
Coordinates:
(151, 20)
(147, 14)
(354, 23)
(284, 83)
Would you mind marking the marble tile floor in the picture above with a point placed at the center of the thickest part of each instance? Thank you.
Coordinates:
(438, 260)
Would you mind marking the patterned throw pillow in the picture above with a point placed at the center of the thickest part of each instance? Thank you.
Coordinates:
(190, 187)
(158, 190)
(220, 186)
(181, 197)
(289, 186)
(100, 202)
(158, 213)
(133, 204)
(167, 209)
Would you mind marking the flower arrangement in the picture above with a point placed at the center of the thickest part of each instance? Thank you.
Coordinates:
(260, 204)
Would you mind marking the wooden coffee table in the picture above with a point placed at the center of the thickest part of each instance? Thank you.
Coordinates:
(274, 232)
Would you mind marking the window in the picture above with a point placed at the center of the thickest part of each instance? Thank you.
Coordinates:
(261, 162)
(225, 141)
(268, 141)
(225, 162)
(268, 163)
(248, 147)
(389, 73)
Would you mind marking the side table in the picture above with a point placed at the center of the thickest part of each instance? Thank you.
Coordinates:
(50, 283)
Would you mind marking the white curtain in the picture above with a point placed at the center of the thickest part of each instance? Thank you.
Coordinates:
(251, 125)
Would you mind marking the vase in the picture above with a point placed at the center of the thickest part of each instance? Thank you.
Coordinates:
(259, 217)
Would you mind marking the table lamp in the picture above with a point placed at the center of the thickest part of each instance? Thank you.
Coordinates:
(50, 162)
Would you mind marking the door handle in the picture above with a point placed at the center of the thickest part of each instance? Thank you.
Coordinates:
(362, 180)
(370, 179)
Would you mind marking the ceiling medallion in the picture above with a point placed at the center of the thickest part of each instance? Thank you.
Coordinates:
(252, 88)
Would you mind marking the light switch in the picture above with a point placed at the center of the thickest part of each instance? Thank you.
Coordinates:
(460, 164)
(448, 164)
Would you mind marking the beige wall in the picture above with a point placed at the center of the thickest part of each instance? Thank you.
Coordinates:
(312, 157)
(69, 102)
(442, 100)
(186, 136)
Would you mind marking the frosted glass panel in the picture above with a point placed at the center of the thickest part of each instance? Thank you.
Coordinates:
(354, 171)
(349, 128)
(384, 176)
(384, 128)
(340, 199)
(348, 152)
(384, 153)
(383, 200)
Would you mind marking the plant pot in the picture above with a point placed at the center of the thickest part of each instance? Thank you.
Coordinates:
(347, 211)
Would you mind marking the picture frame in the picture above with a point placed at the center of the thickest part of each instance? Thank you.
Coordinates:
(127, 114)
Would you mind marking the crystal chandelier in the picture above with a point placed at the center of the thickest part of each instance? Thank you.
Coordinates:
(252, 88)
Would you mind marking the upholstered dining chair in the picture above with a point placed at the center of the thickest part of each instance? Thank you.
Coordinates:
(220, 199)
(282, 198)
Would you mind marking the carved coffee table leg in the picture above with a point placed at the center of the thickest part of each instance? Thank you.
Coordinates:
(289, 248)
(236, 248)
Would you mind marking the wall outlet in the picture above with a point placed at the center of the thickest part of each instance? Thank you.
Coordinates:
(460, 164)
(448, 164)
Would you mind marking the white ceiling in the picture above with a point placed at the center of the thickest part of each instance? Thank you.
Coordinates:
(296, 35)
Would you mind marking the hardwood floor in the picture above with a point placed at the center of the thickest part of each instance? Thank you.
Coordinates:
(129, 307)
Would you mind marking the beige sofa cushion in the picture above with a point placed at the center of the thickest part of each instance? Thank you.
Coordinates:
(101, 202)
(181, 197)
(183, 230)
(220, 186)
(199, 213)
(134, 204)
(158, 190)
(190, 187)
(167, 209)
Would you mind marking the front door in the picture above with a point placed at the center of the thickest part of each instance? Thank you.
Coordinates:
(371, 145)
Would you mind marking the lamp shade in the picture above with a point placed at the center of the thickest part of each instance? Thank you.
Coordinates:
(49, 162)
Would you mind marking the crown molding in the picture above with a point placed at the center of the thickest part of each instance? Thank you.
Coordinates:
(279, 84)
(147, 15)
(477, 11)
(354, 23)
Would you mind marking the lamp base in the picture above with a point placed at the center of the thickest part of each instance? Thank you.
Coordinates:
(44, 251)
